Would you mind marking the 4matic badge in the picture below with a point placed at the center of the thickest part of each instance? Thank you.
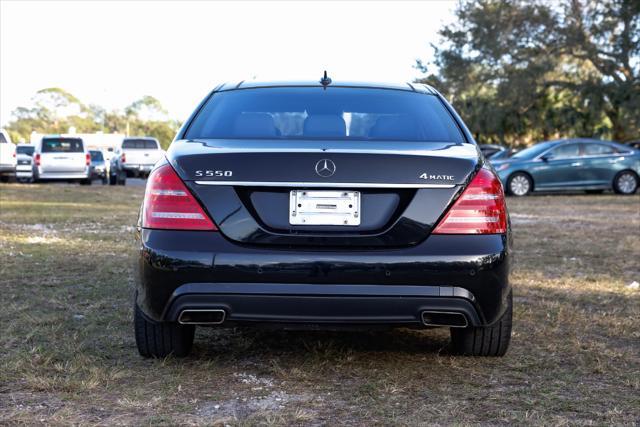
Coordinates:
(434, 177)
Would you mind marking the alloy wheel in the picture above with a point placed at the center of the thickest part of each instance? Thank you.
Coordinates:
(519, 185)
(627, 183)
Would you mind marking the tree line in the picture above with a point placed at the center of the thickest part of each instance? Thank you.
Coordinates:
(519, 72)
(54, 111)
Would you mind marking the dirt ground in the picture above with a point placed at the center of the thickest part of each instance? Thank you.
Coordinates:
(68, 352)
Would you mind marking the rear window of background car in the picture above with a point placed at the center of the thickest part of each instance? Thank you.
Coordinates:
(96, 155)
(595, 149)
(25, 150)
(139, 144)
(332, 113)
(62, 145)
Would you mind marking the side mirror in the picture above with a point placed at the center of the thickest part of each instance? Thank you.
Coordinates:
(546, 157)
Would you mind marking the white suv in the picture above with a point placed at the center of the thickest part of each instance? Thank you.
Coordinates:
(62, 158)
(7, 157)
(135, 157)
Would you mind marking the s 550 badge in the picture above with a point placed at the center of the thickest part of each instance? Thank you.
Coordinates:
(214, 174)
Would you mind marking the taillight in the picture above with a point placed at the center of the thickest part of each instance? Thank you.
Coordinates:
(87, 159)
(37, 159)
(123, 158)
(14, 155)
(168, 204)
(479, 210)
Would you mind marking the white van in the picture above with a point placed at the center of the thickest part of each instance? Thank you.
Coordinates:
(7, 157)
(62, 158)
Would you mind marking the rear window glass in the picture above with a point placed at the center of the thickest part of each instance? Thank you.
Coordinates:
(3, 140)
(62, 145)
(595, 149)
(96, 156)
(139, 144)
(332, 113)
(25, 150)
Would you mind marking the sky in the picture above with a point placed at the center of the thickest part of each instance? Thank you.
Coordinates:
(113, 53)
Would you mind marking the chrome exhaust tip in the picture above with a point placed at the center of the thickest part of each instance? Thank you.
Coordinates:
(202, 317)
(450, 319)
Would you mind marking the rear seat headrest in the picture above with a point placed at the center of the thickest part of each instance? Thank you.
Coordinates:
(325, 125)
(255, 125)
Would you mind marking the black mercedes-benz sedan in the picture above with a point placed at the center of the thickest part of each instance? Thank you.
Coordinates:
(323, 205)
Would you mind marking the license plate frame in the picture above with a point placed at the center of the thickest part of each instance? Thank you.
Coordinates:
(325, 207)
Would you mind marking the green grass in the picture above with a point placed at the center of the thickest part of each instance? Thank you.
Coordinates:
(68, 353)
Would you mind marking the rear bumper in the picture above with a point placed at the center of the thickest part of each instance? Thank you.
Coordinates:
(7, 170)
(134, 167)
(180, 270)
(63, 175)
(322, 304)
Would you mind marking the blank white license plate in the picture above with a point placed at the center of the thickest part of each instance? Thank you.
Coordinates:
(324, 208)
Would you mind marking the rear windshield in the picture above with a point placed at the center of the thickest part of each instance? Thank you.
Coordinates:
(3, 140)
(139, 144)
(96, 156)
(25, 150)
(62, 145)
(317, 113)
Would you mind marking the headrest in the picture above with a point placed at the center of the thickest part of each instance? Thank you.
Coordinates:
(325, 125)
(255, 125)
(395, 127)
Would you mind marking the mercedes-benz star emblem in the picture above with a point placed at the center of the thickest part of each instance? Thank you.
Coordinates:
(325, 168)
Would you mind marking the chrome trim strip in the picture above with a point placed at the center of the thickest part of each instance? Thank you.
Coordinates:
(322, 184)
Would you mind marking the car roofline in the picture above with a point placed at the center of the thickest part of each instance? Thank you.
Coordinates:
(249, 84)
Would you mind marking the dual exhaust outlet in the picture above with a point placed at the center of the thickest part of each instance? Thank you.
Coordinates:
(202, 317)
(450, 319)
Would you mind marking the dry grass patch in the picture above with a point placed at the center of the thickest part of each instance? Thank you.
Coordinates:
(69, 355)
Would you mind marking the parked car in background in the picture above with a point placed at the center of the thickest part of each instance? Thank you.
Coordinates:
(98, 166)
(62, 158)
(571, 164)
(8, 158)
(496, 152)
(24, 167)
(135, 157)
(490, 149)
(635, 143)
(321, 204)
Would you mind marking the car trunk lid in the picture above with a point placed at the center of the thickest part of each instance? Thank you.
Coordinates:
(246, 186)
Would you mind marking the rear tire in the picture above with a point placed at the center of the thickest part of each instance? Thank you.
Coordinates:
(626, 183)
(161, 339)
(519, 184)
(485, 341)
(86, 181)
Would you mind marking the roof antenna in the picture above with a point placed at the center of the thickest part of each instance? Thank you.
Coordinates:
(325, 81)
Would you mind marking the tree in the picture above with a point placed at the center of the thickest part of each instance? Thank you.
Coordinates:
(55, 110)
(523, 71)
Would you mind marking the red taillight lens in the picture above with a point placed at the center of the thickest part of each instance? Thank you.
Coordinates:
(168, 204)
(37, 159)
(88, 159)
(479, 210)
(123, 158)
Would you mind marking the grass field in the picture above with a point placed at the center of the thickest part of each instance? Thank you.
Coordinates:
(68, 354)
